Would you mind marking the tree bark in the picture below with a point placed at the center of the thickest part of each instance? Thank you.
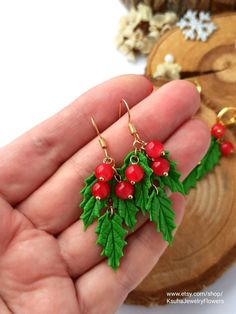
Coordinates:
(180, 6)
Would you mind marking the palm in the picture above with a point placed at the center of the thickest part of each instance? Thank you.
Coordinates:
(31, 260)
(47, 263)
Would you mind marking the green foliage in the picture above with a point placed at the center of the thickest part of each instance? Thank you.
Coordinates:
(92, 210)
(127, 210)
(191, 180)
(141, 188)
(161, 213)
(110, 230)
(172, 181)
(91, 206)
(207, 164)
(86, 191)
(210, 160)
(111, 237)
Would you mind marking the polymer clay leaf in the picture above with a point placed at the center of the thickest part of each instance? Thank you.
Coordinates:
(127, 210)
(91, 207)
(172, 181)
(111, 237)
(142, 188)
(91, 210)
(210, 160)
(207, 164)
(161, 213)
(86, 191)
(190, 181)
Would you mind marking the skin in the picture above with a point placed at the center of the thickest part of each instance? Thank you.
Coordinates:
(48, 264)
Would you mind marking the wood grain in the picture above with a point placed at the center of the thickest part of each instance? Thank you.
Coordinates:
(205, 244)
(212, 63)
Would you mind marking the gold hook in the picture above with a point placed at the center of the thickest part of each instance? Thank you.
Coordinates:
(138, 143)
(197, 85)
(102, 142)
(130, 124)
(227, 116)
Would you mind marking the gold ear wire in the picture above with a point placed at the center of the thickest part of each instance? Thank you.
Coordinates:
(138, 142)
(227, 116)
(130, 124)
(198, 86)
(102, 143)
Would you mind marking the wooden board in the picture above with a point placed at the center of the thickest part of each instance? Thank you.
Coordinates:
(212, 63)
(205, 244)
(180, 6)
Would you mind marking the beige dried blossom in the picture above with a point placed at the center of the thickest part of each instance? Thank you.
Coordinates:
(140, 29)
(168, 70)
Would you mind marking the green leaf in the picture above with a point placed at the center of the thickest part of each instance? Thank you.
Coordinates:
(86, 191)
(111, 237)
(91, 211)
(141, 188)
(91, 207)
(172, 181)
(210, 160)
(127, 210)
(161, 213)
(190, 181)
(207, 164)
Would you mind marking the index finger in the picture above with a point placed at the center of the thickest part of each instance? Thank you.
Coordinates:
(32, 158)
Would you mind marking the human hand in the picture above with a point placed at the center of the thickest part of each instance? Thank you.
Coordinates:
(48, 264)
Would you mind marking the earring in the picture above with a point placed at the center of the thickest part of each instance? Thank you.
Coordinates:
(97, 203)
(219, 147)
(115, 195)
(146, 173)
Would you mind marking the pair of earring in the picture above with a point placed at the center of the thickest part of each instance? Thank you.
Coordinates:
(219, 147)
(115, 195)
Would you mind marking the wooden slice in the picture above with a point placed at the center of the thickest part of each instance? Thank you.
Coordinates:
(205, 244)
(212, 63)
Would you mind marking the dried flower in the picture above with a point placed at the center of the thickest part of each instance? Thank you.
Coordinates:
(140, 29)
(168, 70)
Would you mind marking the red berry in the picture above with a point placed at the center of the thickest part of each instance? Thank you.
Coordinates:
(104, 172)
(124, 190)
(154, 149)
(226, 148)
(218, 130)
(160, 166)
(100, 190)
(134, 173)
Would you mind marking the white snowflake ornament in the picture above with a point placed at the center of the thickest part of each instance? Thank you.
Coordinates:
(196, 26)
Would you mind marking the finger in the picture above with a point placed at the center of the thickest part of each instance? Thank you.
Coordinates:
(54, 206)
(141, 254)
(28, 161)
(79, 248)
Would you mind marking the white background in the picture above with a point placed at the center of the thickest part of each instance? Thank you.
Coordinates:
(50, 52)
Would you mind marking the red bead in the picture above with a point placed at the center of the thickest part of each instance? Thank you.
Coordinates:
(100, 190)
(226, 148)
(218, 130)
(104, 172)
(154, 149)
(124, 190)
(160, 166)
(134, 173)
